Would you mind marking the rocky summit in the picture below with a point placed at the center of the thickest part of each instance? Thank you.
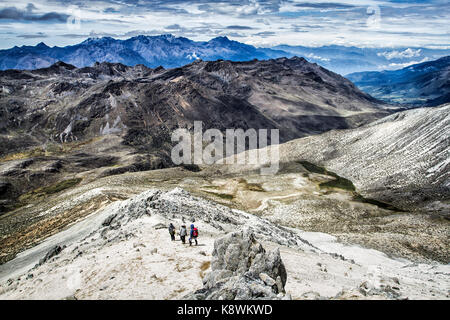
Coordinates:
(124, 251)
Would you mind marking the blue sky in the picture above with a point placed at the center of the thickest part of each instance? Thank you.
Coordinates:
(362, 23)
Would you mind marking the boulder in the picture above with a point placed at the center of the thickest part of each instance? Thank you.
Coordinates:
(241, 269)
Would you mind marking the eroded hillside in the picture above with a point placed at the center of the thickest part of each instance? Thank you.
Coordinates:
(60, 122)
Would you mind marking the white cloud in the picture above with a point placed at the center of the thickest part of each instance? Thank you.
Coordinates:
(407, 53)
(193, 56)
(321, 22)
(396, 66)
(313, 56)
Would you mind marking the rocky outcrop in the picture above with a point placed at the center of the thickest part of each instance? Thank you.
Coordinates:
(180, 204)
(243, 270)
(53, 252)
(385, 288)
(120, 252)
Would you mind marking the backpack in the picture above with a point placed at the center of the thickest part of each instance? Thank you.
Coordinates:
(195, 233)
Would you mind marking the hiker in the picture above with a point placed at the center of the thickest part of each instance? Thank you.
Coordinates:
(193, 235)
(183, 233)
(172, 231)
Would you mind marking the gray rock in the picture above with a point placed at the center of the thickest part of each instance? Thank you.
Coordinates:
(50, 254)
(267, 280)
(242, 270)
(279, 284)
(108, 220)
(160, 226)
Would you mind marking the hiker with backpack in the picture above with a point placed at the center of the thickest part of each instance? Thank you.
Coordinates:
(172, 231)
(193, 235)
(183, 233)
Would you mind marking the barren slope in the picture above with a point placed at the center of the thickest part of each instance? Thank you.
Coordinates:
(125, 252)
(57, 123)
(402, 159)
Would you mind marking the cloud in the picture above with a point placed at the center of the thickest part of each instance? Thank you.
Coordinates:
(268, 22)
(74, 35)
(395, 66)
(254, 7)
(30, 7)
(174, 27)
(33, 36)
(239, 28)
(316, 57)
(232, 34)
(110, 10)
(324, 5)
(12, 13)
(265, 34)
(407, 53)
(263, 21)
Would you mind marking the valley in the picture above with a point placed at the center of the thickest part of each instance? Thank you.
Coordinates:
(230, 155)
(358, 209)
(423, 84)
(60, 122)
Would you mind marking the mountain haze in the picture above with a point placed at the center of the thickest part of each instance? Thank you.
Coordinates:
(170, 51)
(345, 60)
(152, 51)
(426, 83)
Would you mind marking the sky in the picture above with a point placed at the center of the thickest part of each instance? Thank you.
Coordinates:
(361, 23)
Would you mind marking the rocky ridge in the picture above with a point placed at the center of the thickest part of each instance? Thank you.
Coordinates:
(125, 251)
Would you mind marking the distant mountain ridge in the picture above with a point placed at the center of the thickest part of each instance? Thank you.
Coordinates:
(152, 51)
(424, 84)
(170, 52)
(345, 60)
(298, 97)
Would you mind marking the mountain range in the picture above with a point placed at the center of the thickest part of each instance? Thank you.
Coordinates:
(304, 226)
(87, 186)
(345, 60)
(46, 109)
(170, 51)
(152, 51)
(425, 84)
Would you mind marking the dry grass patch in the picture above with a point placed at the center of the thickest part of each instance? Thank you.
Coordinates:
(203, 267)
